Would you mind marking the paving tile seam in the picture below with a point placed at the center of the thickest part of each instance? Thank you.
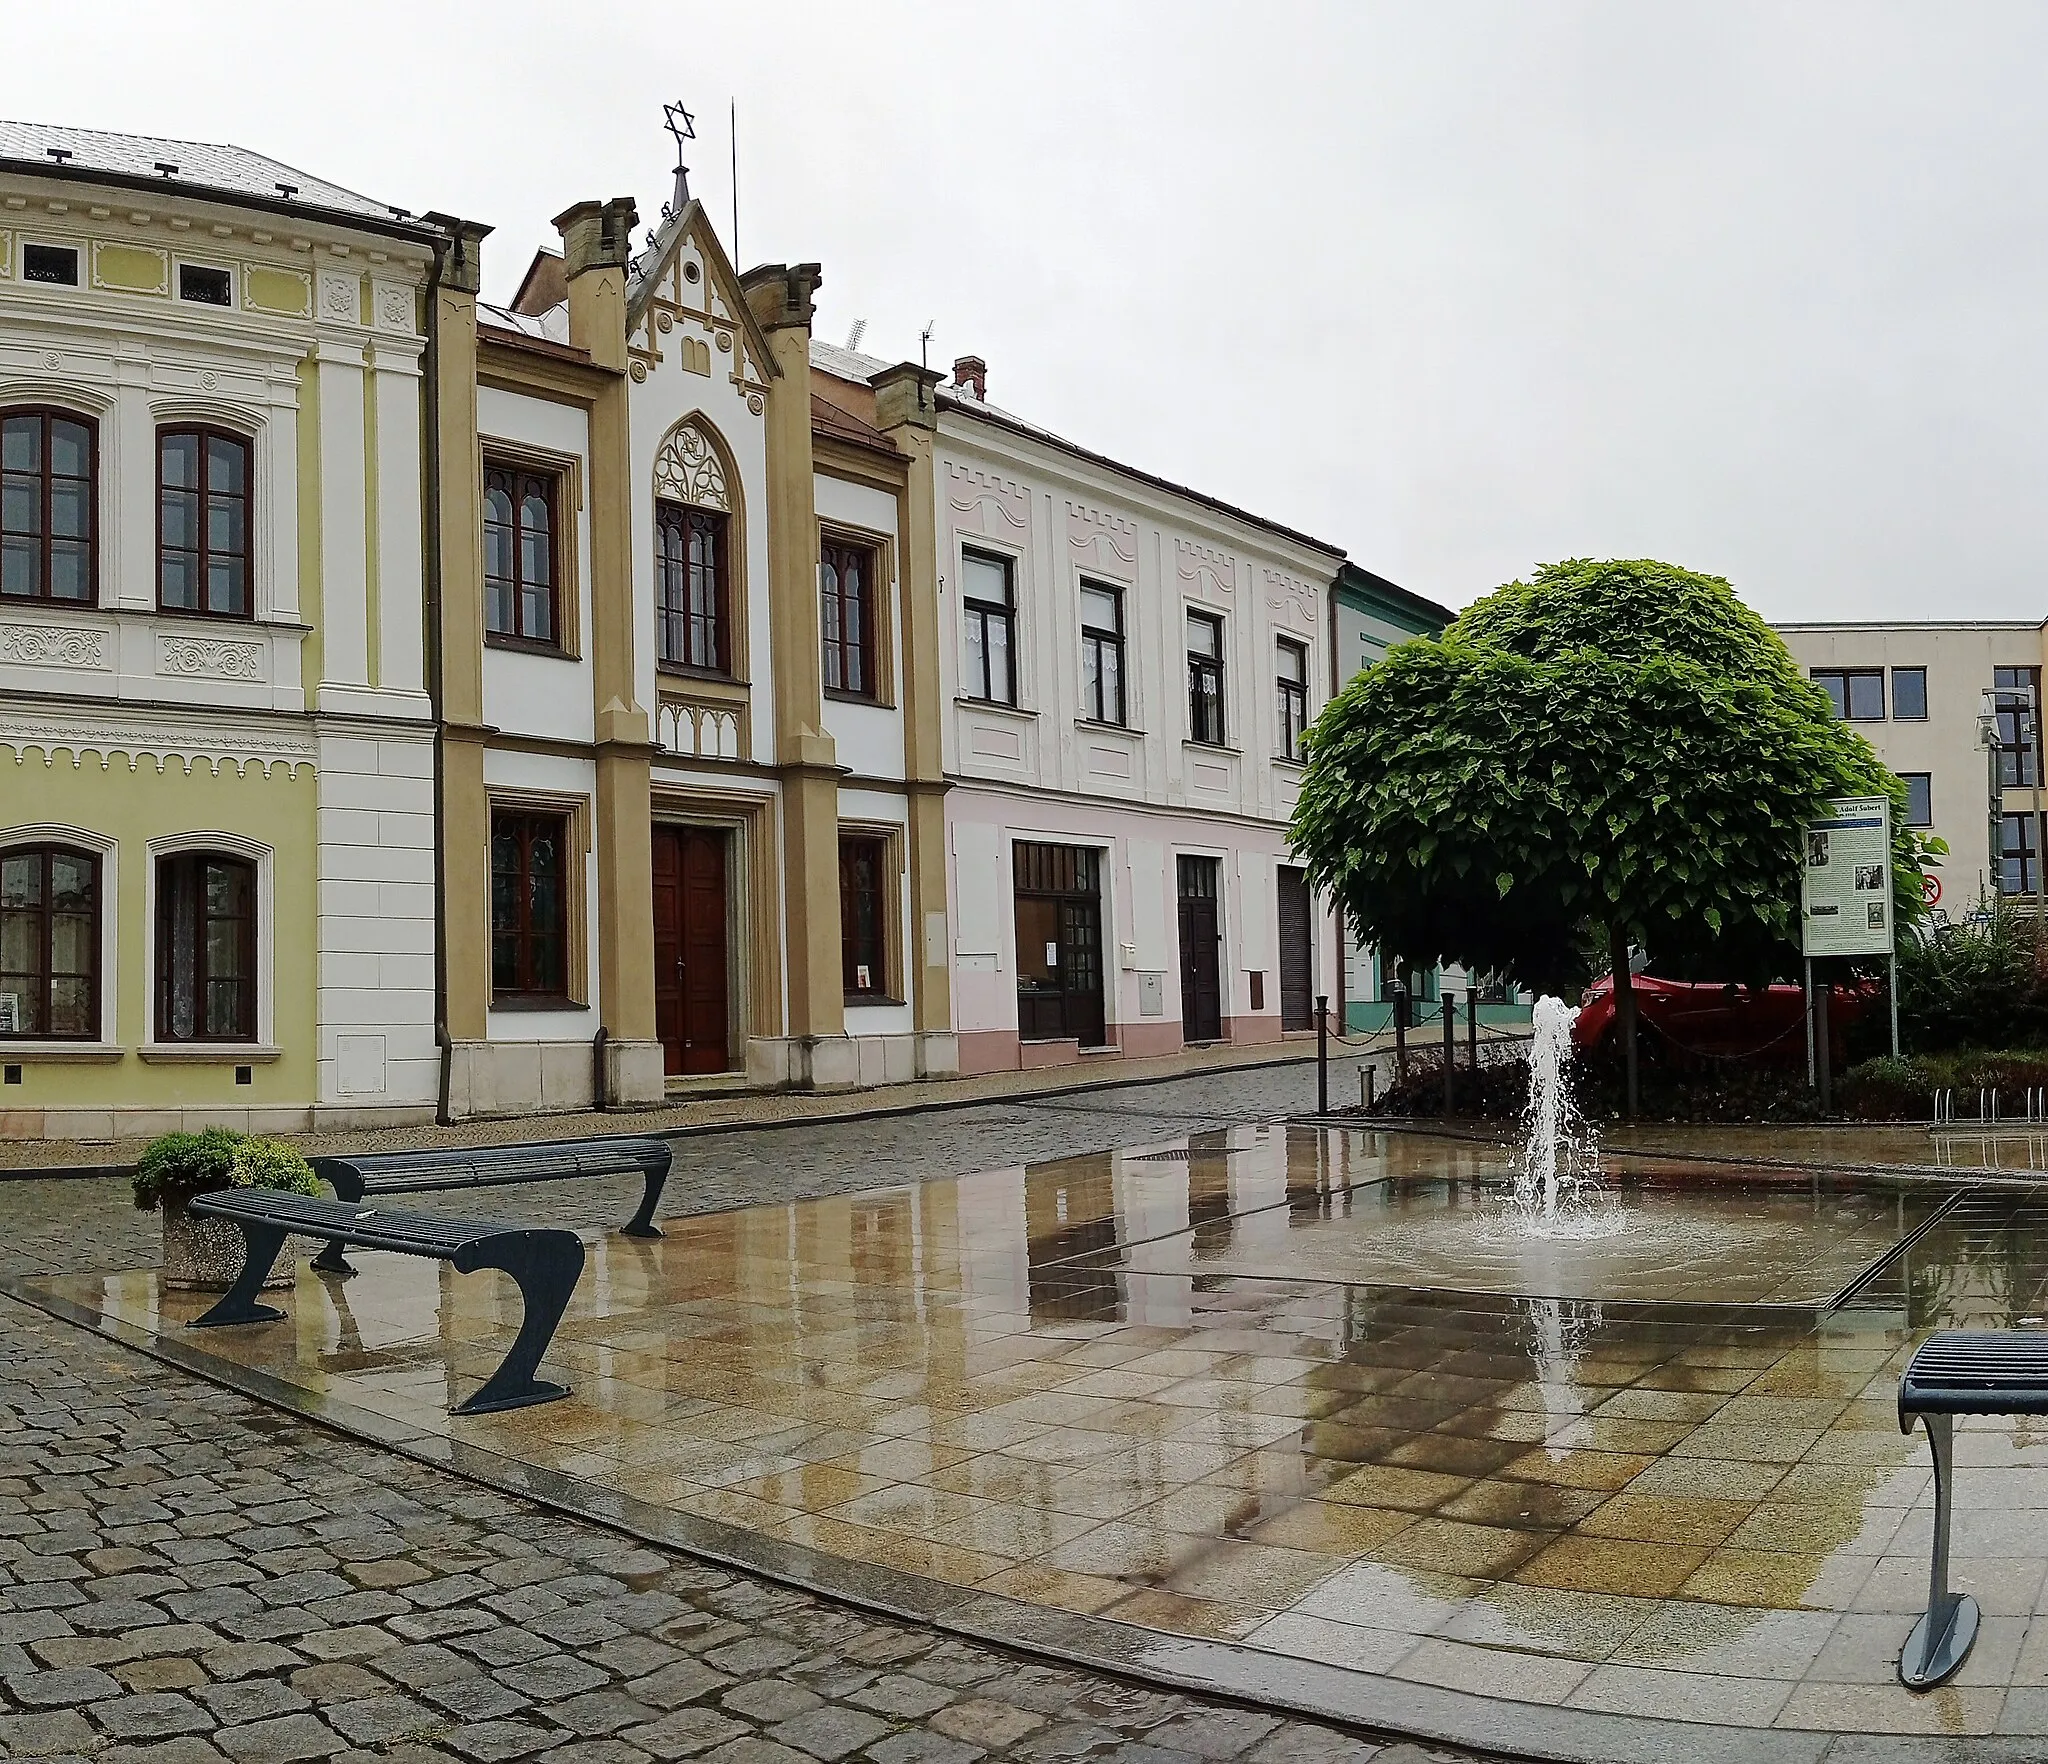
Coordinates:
(1379, 1705)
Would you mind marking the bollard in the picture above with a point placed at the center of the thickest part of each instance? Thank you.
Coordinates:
(1450, 1050)
(1368, 1082)
(1322, 1053)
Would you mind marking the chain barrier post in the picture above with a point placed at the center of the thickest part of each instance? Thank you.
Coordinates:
(1450, 1050)
(1472, 1029)
(1824, 1049)
(1322, 1053)
(1401, 1031)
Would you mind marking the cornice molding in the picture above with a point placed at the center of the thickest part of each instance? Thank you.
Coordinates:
(216, 744)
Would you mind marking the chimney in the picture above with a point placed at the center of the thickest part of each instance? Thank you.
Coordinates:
(971, 373)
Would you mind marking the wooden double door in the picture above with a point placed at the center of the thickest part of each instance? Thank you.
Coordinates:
(692, 995)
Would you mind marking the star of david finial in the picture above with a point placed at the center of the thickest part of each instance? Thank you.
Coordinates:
(683, 126)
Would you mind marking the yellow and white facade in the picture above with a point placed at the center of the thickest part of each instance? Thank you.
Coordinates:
(216, 746)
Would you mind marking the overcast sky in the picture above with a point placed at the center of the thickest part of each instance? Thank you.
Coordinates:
(1459, 287)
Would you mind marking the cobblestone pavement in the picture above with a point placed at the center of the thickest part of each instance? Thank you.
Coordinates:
(188, 1577)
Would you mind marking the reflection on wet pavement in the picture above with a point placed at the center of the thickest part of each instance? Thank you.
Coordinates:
(1301, 1390)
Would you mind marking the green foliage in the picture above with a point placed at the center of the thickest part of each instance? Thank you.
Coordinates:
(1981, 984)
(1609, 746)
(177, 1166)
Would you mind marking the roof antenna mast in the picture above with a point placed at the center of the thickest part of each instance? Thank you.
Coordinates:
(681, 124)
(924, 343)
(733, 129)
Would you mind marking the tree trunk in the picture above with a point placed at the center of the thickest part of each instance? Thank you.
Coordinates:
(1624, 1011)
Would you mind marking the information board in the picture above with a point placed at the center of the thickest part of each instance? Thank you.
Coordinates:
(1845, 906)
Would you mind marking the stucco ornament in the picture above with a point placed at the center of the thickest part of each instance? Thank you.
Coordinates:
(688, 469)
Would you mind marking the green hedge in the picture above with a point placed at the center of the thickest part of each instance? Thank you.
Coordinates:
(179, 1165)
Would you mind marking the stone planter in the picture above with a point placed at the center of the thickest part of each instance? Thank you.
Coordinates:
(205, 1255)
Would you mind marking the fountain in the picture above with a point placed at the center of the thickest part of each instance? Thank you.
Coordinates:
(1559, 1169)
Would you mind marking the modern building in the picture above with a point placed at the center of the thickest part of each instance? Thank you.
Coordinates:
(216, 745)
(1921, 692)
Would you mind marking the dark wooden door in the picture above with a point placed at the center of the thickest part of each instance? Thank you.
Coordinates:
(1201, 941)
(1297, 963)
(1059, 943)
(691, 1013)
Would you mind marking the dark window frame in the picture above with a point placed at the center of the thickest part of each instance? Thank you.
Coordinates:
(977, 614)
(518, 474)
(2018, 862)
(226, 284)
(529, 989)
(1207, 678)
(46, 912)
(2019, 754)
(1096, 644)
(1927, 781)
(1839, 685)
(1903, 716)
(679, 623)
(1293, 695)
(28, 273)
(54, 413)
(862, 655)
(170, 897)
(206, 434)
(864, 942)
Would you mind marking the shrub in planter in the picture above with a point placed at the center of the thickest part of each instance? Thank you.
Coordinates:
(205, 1254)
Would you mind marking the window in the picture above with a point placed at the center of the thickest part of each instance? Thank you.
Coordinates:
(2016, 692)
(2018, 870)
(49, 943)
(47, 474)
(1919, 798)
(1293, 697)
(1909, 695)
(1205, 679)
(846, 616)
(205, 948)
(209, 287)
(691, 576)
(1102, 653)
(988, 619)
(203, 523)
(529, 906)
(56, 264)
(521, 573)
(1857, 693)
(863, 914)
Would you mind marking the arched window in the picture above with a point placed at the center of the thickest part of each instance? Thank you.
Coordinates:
(49, 943)
(692, 559)
(205, 947)
(203, 522)
(48, 484)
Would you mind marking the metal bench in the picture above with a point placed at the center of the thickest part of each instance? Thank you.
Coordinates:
(1960, 1372)
(486, 1166)
(543, 1264)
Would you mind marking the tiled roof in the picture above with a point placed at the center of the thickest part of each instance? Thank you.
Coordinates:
(202, 167)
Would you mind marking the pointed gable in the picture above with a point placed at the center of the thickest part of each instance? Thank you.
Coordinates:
(684, 303)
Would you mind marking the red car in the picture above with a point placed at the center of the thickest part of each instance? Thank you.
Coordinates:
(1685, 1020)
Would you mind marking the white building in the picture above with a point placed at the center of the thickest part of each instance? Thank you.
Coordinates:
(1126, 670)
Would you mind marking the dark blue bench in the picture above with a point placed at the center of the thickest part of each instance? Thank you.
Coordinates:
(543, 1264)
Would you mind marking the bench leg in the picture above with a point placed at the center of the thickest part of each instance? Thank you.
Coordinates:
(1941, 1640)
(546, 1283)
(642, 1223)
(238, 1304)
(331, 1261)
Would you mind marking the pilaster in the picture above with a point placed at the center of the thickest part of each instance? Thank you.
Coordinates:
(780, 296)
(907, 411)
(597, 240)
(465, 810)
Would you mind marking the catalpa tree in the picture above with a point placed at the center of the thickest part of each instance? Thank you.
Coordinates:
(1610, 754)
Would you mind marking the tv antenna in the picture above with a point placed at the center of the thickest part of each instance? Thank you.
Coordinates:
(681, 124)
(924, 343)
(860, 330)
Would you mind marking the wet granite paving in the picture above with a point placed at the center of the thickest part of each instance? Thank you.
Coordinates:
(187, 1575)
(1097, 1390)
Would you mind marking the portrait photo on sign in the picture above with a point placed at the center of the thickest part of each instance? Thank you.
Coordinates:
(1816, 851)
(1873, 914)
(1869, 876)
